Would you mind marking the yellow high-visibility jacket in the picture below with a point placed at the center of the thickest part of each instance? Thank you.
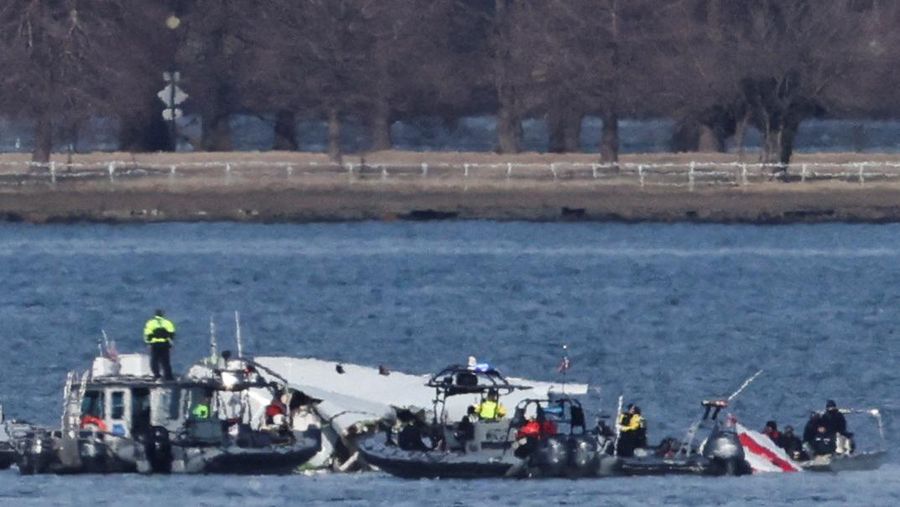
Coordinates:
(489, 410)
(159, 330)
(631, 422)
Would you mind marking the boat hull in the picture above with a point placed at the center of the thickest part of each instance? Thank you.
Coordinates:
(845, 463)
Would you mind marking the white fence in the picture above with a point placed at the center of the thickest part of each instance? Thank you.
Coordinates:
(676, 174)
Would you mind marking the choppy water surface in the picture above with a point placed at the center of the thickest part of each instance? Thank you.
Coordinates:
(666, 314)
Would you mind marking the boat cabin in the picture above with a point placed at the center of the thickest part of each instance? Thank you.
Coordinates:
(124, 400)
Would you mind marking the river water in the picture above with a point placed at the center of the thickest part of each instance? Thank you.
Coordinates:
(664, 314)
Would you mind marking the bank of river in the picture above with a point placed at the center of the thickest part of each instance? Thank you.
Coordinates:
(530, 201)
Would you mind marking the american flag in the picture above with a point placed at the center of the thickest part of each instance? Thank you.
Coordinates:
(564, 365)
(111, 352)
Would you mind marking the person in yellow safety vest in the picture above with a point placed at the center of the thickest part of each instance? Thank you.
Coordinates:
(632, 431)
(490, 409)
(158, 334)
(201, 410)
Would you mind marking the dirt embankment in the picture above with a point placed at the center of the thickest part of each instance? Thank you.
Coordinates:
(337, 196)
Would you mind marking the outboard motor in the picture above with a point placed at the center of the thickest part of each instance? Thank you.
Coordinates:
(158, 449)
(583, 455)
(552, 456)
(723, 448)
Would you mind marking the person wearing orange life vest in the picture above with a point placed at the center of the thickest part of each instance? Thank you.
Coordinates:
(159, 332)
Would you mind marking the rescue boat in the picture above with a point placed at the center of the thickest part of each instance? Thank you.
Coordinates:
(118, 419)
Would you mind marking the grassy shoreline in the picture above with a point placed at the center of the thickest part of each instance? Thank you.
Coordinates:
(333, 196)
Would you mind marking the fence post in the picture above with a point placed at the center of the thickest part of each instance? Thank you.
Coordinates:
(862, 168)
(744, 174)
(424, 169)
(227, 173)
(803, 173)
(52, 172)
(553, 169)
(641, 174)
(691, 176)
(112, 172)
(466, 170)
(508, 170)
(172, 173)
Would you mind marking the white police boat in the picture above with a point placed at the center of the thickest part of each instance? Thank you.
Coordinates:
(117, 418)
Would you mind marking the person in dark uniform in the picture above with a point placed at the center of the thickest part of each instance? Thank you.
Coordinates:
(809, 431)
(790, 443)
(159, 332)
(823, 444)
(833, 420)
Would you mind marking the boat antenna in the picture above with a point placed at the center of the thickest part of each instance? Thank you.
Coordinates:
(744, 385)
(237, 334)
(564, 366)
(618, 426)
(213, 346)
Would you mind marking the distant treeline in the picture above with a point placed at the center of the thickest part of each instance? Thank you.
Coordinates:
(716, 67)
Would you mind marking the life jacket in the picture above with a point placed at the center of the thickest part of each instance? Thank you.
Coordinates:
(88, 421)
(488, 410)
(159, 330)
(534, 429)
(632, 422)
(201, 411)
(273, 409)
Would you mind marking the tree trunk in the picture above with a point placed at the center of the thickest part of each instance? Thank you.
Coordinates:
(144, 130)
(788, 134)
(285, 131)
(509, 128)
(740, 131)
(710, 140)
(43, 140)
(556, 127)
(564, 126)
(609, 137)
(381, 126)
(334, 134)
(216, 132)
(573, 132)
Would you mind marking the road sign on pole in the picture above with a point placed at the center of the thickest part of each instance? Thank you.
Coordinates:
(171, 96)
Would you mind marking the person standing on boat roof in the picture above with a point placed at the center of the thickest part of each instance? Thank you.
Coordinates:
(490, 409)
(159, 332)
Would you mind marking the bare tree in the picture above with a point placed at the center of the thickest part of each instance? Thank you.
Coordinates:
(774, 64)
(63, 59)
